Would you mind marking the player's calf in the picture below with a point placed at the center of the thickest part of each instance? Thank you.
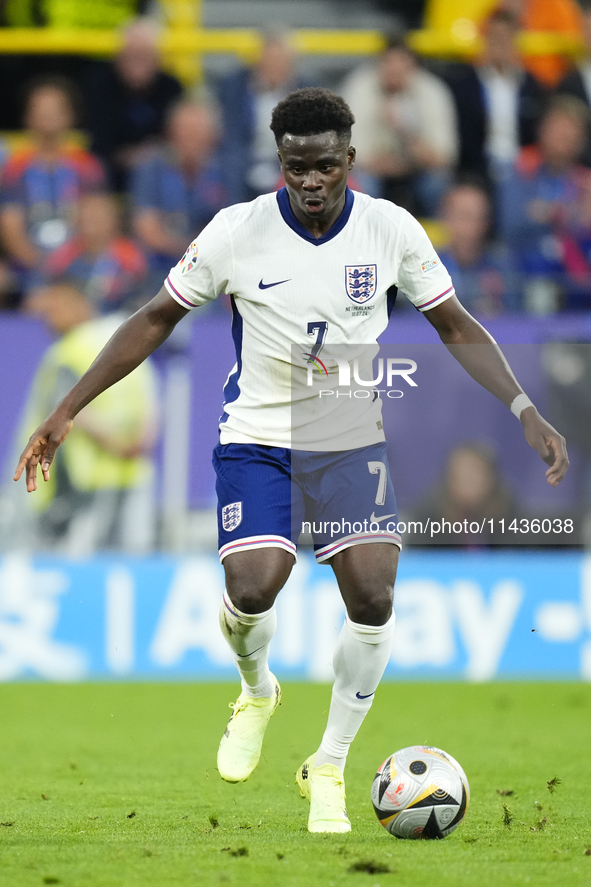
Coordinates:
(249, 636)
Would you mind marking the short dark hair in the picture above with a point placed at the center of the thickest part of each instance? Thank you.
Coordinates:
(311, 111)
(469, 179)
(503, 17)
(396, 40)
(569, 105)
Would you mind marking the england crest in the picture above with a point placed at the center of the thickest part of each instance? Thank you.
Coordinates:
(231, 516)
(361, 282)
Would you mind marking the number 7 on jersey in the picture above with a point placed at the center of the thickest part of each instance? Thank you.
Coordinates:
(320, 327)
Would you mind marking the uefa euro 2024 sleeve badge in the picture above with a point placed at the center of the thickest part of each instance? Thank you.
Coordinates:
(189, 260)
(231, 516)
(361, 282)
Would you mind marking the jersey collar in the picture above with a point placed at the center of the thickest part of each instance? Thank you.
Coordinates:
(290, 219)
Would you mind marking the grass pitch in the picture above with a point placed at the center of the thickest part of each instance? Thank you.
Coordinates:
(115, 786)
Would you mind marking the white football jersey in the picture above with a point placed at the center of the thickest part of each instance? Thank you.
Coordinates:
(289, 288)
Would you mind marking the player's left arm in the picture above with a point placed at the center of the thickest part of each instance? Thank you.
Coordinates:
(488, 366)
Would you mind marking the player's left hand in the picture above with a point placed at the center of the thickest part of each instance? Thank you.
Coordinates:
(548, 442)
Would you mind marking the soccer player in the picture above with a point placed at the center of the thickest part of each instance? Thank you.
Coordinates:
(283, 259)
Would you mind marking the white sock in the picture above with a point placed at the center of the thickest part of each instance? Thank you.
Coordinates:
(360, 658)
(249, 634)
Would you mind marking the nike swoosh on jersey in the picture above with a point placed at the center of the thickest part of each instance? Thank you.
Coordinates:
(265, 286)
(375, 520)
(359, 696)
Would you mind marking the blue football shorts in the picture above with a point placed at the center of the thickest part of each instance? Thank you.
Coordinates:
(268, 495)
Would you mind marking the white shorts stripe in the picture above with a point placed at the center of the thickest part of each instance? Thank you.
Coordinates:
(323, 554)
(248, 543)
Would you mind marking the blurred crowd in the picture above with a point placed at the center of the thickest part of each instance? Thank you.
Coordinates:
(115, 171)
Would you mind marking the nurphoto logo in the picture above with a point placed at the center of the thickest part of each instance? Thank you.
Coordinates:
(389, 371)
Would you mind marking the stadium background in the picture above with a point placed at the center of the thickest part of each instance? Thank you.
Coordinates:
(114, 679)
(475, 611)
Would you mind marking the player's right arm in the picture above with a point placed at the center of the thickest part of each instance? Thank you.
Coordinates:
(135, 340)
(422, 276)
(487, 366)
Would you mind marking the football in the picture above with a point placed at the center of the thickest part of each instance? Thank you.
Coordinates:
(420, 792)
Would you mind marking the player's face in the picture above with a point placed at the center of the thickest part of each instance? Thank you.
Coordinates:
(315, 170)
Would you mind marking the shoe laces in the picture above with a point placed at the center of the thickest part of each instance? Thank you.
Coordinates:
(239, 706)
(247, 702)
(337, 782)
(337, 778)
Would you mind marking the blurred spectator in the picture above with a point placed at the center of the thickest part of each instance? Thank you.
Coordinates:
(498, 103)
(478, 269)
(41, 185)
(9, 288)
(18, 69)
(247, 97)
(127, 101)
(567, 371)
(99, 496)
(472, 490)
(10, 294)
(545, 212)
(405, 130)
(556, 16)
(4, 153)
(578, 82)
(108, 266)
(178, 190)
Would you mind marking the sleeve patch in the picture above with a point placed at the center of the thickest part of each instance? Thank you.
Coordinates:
(189, 260)
(429, 264)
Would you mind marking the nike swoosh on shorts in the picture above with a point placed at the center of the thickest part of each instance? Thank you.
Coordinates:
(375, 520)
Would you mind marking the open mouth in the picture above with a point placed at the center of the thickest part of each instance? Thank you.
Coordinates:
(313, 204)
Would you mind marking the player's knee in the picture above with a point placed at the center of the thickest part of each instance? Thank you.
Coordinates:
(255, 578)
(251, 600)
(371, 608)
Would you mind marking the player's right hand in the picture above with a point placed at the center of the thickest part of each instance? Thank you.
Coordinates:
(41, 448)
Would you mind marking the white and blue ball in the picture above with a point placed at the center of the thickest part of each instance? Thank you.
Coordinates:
(420, 792)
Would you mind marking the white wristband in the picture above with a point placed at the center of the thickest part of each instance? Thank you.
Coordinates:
(520, 403)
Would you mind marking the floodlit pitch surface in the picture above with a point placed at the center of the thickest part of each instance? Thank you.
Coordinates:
(109, 785)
